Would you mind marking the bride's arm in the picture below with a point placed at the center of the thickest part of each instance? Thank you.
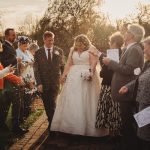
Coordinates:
(93, 62)
(67, 66)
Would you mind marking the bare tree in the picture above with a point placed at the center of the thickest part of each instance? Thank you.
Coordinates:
(142, 18)
(29, 25)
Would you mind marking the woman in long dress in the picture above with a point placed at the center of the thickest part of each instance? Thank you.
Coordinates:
(77, 104)
(108, 111)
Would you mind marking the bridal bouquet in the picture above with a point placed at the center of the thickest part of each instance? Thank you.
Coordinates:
(86, 74)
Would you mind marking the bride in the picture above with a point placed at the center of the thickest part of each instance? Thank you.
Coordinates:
(76, 107)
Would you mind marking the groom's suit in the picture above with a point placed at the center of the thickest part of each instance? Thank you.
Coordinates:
(47, 74)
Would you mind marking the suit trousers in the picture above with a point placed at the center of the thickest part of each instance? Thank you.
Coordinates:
(8, 98)
(49, 99)
(129, 127)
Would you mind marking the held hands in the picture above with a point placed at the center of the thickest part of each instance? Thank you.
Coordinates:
(123, 90)
(62, 79)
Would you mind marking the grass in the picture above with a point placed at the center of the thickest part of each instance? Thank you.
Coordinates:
(32, 118)
(8, 138)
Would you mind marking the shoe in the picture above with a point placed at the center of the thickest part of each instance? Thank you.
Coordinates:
(4, 127)
(20, 131)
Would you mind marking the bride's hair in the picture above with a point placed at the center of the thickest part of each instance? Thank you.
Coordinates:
(83, 39)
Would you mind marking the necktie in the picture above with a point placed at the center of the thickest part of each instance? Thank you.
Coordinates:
(49, 56)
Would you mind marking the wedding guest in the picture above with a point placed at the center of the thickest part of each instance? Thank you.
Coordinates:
(11, 93)
(141, 91)
(108, 111)
(14, 80)
(76, 106)
(33, 47)
(26, 71)
(131, 58)
(48, 66)
(6, 70)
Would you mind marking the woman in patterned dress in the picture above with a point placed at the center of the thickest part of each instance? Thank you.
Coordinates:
(108, 113)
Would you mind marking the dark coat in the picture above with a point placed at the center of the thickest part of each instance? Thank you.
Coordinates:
(124, 70)
(48, 74)
(8, 56)
(142, 96)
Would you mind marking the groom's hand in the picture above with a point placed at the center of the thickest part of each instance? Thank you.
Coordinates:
(62, 79)
(40, 88)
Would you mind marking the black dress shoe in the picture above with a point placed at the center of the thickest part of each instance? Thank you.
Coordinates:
(20, 131)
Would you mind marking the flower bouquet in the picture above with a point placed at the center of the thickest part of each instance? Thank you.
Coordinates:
(86, 74)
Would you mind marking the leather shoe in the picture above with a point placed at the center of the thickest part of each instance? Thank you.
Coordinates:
(20, 131)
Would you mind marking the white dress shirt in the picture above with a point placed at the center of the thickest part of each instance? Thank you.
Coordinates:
(9, 42)
(46, 51)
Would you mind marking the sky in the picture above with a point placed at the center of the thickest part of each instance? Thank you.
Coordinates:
(118, 9)
(15, 11)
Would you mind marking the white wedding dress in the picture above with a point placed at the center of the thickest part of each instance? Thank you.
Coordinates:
(76, 107)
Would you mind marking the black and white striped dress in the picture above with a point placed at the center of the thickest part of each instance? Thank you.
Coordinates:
(108, 111)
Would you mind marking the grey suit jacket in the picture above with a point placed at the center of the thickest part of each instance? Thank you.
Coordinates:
(124, 71)
(45, 73)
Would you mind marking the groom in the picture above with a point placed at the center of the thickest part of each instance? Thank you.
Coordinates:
(49, 65)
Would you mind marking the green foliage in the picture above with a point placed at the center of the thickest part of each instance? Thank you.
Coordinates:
(32, 118)
(68, 18)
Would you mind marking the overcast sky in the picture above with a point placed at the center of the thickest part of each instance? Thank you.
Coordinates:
(14, 11)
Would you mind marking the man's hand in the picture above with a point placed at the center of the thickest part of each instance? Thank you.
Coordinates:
(123, 90)
(40, 88)
(106, 60)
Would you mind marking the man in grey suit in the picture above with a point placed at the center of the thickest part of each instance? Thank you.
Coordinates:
(131, 59)
(48, 67)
